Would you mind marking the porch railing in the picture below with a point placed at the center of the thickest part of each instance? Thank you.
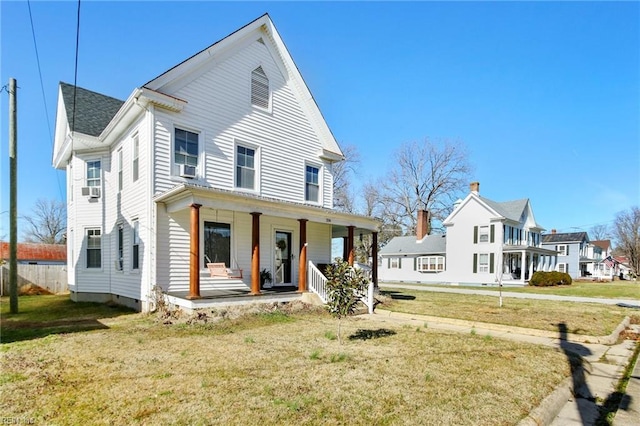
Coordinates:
(318, 284)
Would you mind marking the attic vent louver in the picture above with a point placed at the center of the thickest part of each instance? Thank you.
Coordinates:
(259, 88)
(260, 40)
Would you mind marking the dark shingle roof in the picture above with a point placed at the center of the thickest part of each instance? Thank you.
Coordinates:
(431, 244)
(567, 237)
(93, 112)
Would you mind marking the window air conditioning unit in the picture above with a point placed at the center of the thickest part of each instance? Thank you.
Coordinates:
(187, 171)
(94, 192)
(85, 191)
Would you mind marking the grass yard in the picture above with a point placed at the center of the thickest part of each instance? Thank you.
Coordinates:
(581, 318)
(610, 290)
(271, 368)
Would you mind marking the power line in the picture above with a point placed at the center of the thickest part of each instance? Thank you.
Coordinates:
(44, 97)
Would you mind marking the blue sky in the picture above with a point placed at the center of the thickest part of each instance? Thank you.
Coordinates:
(546, 96)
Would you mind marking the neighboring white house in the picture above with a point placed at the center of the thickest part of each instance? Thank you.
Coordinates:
(224, 158)
(600, 250)
(485, 241)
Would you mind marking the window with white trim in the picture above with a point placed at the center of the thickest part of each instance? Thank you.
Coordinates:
(245, 167)
(563, 267)
(312, 183)
(394, 263)
(259, 88)
(93, 173)
(185, 147)
(483, 263)
(562, 250)
(430, 264)
(483, 234)
(120, 254)
(120, 169)
(94, 248)
(135, 248)
(135, 167)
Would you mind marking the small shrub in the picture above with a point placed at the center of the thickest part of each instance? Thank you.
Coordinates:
(553, 278)
(315, 354)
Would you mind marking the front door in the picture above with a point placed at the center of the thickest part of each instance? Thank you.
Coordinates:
(283, 258)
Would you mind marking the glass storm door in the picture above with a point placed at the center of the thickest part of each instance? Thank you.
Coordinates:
(283, 258)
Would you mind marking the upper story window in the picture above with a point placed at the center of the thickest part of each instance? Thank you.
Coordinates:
(93, 173)
(563, 250)
(312, 184)
(185, 148)
(245, 167)
(136, 155)
(259, 88)
(483, 234)
(120, 169)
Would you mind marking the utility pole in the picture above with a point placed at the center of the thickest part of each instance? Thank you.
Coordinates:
(13, 197)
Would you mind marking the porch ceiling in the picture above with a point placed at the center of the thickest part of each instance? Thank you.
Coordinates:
(182, 196)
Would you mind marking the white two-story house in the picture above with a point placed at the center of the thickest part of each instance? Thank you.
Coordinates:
(486, 242)
(224, 159)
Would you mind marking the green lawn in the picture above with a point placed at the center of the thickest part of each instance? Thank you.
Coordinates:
(39, 316)
(268, 368)
(610, 290)
(589, 319)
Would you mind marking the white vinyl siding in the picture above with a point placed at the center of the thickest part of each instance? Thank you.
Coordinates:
(219, 108)
(120, 166)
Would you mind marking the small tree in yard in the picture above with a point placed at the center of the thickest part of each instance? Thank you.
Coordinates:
(345, 286)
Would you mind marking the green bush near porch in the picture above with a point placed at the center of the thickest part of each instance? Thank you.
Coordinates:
(553, 278)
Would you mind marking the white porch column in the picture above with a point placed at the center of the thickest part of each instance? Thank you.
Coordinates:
(531, 266)
(523, 265)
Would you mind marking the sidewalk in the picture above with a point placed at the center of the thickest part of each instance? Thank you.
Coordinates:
(594, 383)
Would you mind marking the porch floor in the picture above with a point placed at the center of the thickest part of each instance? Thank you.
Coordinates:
(221, 294)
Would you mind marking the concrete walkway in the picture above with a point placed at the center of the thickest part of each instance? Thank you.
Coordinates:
(630, 303)
(577, 400)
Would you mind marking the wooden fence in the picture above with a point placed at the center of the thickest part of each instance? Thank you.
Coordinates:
(50, 277)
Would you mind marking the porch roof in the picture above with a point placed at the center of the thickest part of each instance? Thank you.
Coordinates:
(181, 196)
(530, 249)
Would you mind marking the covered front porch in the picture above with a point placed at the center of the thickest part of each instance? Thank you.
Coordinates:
(252, 237)
(520, 262)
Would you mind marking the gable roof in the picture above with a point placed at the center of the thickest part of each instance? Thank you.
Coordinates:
(94, 111)
(264, 29)
(511, 210)
(603, 244)
(430, 244)
(33, 251)
(566, 237)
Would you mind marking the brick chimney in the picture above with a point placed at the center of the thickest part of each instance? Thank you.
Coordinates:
(424, 224)
(475, 187)
(553, 231)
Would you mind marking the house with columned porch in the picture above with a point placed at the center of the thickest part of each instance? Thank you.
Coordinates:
(486, 242)
(207, 176)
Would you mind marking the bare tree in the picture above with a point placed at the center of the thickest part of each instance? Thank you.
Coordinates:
(600, 232)
(626, 230)
(428, 175)
(343, 173)
(48, 222)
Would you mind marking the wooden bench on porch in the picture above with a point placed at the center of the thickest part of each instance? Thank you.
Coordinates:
(220, 270)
